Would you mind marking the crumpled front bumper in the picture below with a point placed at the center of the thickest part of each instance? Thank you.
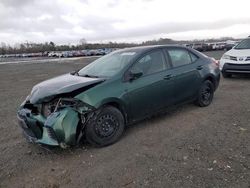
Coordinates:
(34, 129)
(57, 129)
(28, 133)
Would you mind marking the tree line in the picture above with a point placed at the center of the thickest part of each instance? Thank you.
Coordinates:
(31, 47)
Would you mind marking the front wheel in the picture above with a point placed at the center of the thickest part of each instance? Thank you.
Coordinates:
(106, 127)
(206, 94)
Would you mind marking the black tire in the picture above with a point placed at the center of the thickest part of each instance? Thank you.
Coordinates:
(226, 75)
(106, 127)
(206, 94)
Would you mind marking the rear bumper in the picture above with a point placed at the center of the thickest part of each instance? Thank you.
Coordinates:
(236, 68)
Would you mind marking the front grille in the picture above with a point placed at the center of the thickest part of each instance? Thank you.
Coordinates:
(233, 58)
(51, 133)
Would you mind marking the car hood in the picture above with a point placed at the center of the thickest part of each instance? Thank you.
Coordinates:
(237, 53)
(60, 85)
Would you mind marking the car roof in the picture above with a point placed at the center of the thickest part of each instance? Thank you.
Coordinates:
(144, 49)
(141, 49)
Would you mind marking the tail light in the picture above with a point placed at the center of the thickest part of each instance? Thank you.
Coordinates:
(216, 62)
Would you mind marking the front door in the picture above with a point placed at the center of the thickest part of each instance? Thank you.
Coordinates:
(154, 89)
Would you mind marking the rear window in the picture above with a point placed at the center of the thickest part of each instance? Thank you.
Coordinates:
(193, 57)
(179, 57)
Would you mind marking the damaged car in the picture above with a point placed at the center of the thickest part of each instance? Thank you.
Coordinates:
(97, 102)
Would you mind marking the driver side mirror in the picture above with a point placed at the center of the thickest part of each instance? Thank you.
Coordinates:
(133, 75)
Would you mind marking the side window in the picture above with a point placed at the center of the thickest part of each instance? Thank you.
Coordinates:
(193, 57)
(150, 63)
(179, 57)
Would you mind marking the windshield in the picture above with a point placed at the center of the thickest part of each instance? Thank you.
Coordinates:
(108, 65)
(245, 44)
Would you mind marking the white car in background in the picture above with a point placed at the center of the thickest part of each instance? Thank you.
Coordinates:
(236, 60)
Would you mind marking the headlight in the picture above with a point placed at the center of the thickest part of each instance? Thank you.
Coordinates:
(67, 102)
(61, 103)
(225, 56)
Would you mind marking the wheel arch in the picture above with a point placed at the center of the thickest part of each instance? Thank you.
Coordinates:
(211, 78)
(117, 103)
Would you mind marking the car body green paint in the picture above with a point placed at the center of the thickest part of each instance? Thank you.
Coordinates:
(136, 98)
(46, 139)
(64, 122)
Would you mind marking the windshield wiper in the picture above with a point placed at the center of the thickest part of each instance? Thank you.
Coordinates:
(90, 76)
(75, 73)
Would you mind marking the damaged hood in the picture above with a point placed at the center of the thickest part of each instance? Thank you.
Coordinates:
(60, 85)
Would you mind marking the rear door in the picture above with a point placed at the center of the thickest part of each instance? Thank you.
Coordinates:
(185, 73)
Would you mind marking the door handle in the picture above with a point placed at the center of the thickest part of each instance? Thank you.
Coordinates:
(199, 67)
(168, 77)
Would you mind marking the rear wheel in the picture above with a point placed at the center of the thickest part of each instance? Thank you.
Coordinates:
(226, 75)
(106, 127)
(206, 94)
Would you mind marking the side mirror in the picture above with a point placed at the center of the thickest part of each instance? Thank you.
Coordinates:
(133, 75)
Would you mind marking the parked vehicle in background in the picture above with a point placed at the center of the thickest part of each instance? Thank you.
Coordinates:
(236, 60)
(77, 53)
(66, 54)
(187, 45)
(107, 51)
(89, 52)
(200, 47)
(84, 52)
(222, 45)
(116, 90)
(230, 44)
(209, 46)
(45, 54)
(218, 46)
(51, 54)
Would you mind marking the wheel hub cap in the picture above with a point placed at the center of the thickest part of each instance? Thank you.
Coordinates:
(106, 126)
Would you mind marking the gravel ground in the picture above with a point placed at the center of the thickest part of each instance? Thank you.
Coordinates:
(215, 54)
(188, 146)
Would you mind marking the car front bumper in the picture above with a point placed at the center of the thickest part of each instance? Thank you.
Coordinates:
(28, 133)
(58, 129)
(236, 68)
(34, 129)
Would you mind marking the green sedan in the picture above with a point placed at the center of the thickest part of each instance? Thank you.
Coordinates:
(97, 102)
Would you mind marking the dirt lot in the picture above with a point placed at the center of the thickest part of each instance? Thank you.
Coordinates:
(187, 147)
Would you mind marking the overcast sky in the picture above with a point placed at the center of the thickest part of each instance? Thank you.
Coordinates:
(67, 21)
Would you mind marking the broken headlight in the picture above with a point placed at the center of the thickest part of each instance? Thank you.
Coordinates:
(61, 103)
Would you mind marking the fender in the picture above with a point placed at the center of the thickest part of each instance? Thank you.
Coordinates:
(118, 103)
